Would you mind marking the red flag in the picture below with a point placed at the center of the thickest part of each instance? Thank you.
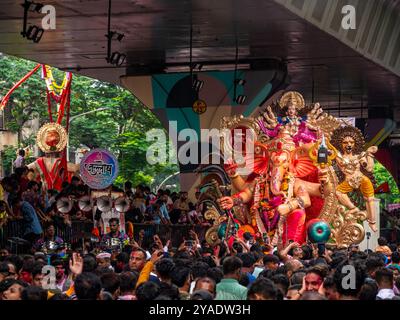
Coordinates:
(383, 188)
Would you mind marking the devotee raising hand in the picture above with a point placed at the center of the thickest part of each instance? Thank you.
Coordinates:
(182, 246)
(194, 236)
(215, 256)
(284, 253)
(134, 244)
(157, 254)
(158, 242)
(76, 264)
(321, 289)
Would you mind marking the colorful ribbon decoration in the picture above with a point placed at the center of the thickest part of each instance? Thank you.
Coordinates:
(56, 91)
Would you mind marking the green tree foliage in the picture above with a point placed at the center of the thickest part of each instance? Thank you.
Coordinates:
(29, 100)
(120, 128)
(8, 156)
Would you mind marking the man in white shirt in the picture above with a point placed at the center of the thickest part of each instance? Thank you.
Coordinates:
(384, 278)
(20, 161)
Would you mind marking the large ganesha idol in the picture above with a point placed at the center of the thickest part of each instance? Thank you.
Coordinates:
(304, 166)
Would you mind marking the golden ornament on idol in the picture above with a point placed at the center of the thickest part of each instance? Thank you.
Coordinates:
(51, 137)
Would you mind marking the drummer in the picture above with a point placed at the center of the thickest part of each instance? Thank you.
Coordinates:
(49, 236)
(115, 237)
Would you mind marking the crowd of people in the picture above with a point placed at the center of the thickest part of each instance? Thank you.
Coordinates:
(23, 200)
(150, 268)
(244, 270)
(390, 224)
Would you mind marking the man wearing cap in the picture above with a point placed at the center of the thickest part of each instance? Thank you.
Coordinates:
(103, 260)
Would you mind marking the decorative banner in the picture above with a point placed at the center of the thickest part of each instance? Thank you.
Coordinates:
(99, 169)
(393, 206)
(51, 137)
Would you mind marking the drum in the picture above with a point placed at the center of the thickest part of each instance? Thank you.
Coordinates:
(50, 247)
(114, 244)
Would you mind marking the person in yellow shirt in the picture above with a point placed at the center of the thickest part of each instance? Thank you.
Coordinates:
(138, 263)
(383, 247)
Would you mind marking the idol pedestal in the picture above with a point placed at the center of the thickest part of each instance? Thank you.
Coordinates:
(372, 242)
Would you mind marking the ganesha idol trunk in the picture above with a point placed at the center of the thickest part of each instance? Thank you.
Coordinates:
(276, 180)
(294, 227)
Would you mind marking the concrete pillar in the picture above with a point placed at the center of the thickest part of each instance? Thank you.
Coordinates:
(372, 242)
(171, 98)
(189, 182)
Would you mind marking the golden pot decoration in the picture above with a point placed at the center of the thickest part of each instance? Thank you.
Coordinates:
(51, 137)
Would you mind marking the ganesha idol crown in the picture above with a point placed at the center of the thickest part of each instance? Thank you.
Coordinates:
(282, 142)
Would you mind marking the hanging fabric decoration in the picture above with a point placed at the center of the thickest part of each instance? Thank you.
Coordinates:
(59, 93)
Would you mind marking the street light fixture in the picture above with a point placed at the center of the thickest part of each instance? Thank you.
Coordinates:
(34, 32)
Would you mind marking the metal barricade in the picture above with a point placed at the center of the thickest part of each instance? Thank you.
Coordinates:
(79, 229)
(176, 233)
(11, 229)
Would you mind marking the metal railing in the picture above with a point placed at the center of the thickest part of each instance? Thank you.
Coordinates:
(79, 229)
(176, 232)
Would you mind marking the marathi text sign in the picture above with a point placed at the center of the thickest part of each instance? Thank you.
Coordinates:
(99, 168)
(393, 206)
